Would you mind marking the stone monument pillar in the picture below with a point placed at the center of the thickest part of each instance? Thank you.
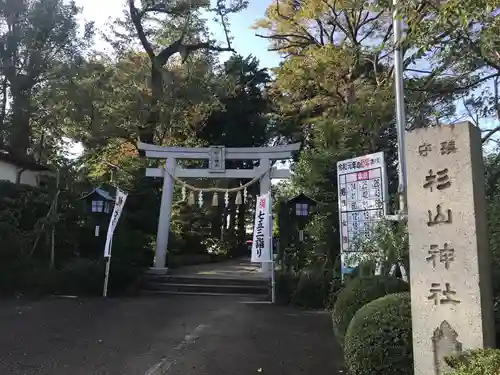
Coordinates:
(449, 257)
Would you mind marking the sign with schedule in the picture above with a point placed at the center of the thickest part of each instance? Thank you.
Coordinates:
(362, 192)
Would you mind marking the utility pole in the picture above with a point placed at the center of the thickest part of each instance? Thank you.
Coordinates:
(400, 107)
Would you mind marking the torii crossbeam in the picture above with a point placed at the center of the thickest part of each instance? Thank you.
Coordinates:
(217, 155)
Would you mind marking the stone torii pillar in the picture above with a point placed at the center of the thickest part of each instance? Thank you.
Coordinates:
(217, 155)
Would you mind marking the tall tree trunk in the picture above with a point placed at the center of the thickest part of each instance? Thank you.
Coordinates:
(147, 132)
(3, 108)
(20, 126)
(41, 144)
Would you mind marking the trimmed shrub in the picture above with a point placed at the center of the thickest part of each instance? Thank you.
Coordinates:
(85, 277)
(81, 277)
(476, 362)
(378, 340)
(367, 268)
(286, 283)
(359, 292)
(313, 289)
(496, 316)
(26, 276)
(335, 289)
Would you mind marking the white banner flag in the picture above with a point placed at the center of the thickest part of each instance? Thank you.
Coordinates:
(261, 245)
(121, 197)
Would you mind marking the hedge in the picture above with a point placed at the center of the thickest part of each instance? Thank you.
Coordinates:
(359, 292)
(313, 289)
(476, 362)
(286, 284)
(378, 340)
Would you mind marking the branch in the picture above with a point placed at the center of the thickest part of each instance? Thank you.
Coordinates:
(186, 49)
(496, 97)
(174, 10)
(307, 36)
(322, 32)
(497, 108)
(352, 30)
(475, 119)
(224, 21)
(490, 133)
(419, 71)
(286, 36)
(289, 43)
(207, 46)
(136, 19)
(457, 89)
(478, 49)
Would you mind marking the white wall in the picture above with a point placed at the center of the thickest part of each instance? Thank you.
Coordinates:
(9, 172)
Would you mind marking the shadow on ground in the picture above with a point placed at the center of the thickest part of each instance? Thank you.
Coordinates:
(263, 339)
(187, 335)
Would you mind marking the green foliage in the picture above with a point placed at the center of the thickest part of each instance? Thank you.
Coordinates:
(335, 289)
(178, 18)
(85, 277)
(462, 37)
(78, 276)
(22, 208)
(333, 120)
(81, 276)
(190, 226)
(378, 340)
(492, 171)
(476, 362)
(333, 92)
(286, 284)
(26, 275)
(310, 288)
(23, 219)
(45, 46)
(24, 267)
(387, 245)
(359, 292)
(313, 289)
(296, 256)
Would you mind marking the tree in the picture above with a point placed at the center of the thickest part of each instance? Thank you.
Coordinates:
(177, 13)
(103, 103)
(39, 42)
(362, 32)
(461, 41)
(242, 121)
(333, 92)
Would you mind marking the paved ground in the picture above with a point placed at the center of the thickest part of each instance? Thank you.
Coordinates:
(234, 268)
(181, 335)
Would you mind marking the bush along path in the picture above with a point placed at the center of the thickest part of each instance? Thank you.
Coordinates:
(385, 321)
(359, 292)
(372, 322)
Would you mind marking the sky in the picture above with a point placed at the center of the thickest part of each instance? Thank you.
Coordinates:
(245, 40)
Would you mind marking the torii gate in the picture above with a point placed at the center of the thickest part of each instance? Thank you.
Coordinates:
(217, 155)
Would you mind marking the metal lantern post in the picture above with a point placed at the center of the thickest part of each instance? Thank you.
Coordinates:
(294, 213)
(302, 207)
